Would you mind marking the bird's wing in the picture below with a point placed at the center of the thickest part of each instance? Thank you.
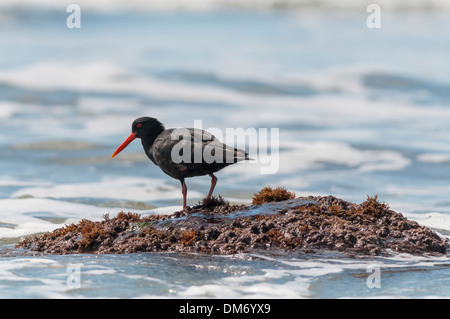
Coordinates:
(214, 150)
(193, 152)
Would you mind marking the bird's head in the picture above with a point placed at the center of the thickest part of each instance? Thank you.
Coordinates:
(143, 127)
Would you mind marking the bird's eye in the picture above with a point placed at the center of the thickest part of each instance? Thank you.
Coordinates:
(139, 125)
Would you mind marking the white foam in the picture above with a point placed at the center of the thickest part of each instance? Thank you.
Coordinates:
(433, 158)
(293, 278)
(124, 188)
(108, 77)
(99, 272)
(250, 286)
(22, 215)
(7, 109)
(105, 118)
(434, 220)
(308, 155)
(18, 212)
(304, 156)
(9, 267)
(14, 272)
(166, 210)
(426, 194)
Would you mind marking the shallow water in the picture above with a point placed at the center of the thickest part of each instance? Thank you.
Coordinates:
(167, 275)
(359, 111)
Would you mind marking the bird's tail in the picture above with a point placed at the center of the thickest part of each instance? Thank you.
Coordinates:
(241, 155)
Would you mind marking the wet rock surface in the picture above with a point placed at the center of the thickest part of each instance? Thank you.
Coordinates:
(305, 224)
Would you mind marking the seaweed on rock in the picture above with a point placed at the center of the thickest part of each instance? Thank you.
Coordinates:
(216, 227)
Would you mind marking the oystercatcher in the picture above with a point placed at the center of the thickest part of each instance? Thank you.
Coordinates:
(183, 152)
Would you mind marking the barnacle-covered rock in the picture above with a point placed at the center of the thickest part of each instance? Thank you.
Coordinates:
(216, 227)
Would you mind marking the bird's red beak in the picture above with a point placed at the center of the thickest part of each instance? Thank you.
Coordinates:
(124, 144)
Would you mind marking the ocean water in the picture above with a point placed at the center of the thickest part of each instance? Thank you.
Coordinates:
(359, 112)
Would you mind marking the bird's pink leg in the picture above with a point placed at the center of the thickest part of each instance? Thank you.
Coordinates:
(213, 184)
(184, 191)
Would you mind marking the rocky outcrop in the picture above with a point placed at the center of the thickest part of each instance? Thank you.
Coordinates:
(300, 224)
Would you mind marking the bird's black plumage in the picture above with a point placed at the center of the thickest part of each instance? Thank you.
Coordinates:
(183, 152)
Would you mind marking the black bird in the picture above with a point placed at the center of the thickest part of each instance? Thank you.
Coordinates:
(182, 153)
